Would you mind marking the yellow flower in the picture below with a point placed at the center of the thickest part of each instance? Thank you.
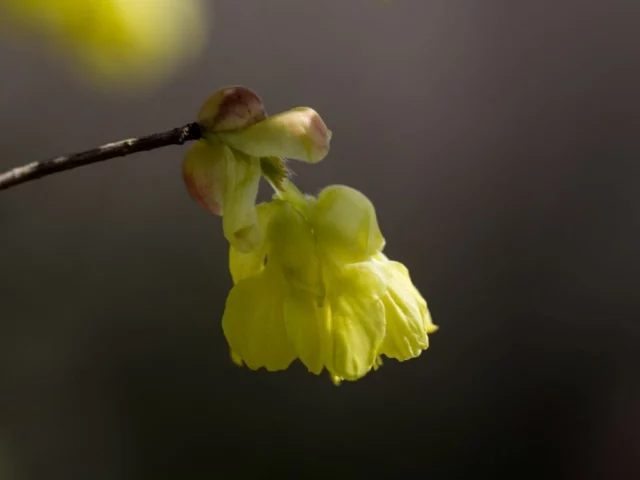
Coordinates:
(222, 171)
(310, 279)
(319, 289)
(123, 41)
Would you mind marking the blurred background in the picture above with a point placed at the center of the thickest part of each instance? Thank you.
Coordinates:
(499, 142)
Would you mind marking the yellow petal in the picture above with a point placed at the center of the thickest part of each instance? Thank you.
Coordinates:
(345, 224)
(253, 323)
(357, 320)
(235, 358)
(406, 335)
(243, 265)
(429, 326)
(427, 321)
(378, 363)
(308, 322)
(239, 219)
(362, 279)
(343, 331)
(357, 329)
(246, 264)
(299, 134)
(292, 248)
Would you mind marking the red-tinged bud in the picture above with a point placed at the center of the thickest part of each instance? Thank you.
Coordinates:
(231, 108)
(203, 171)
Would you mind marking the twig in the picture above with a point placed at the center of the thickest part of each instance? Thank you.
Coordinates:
(34, 170)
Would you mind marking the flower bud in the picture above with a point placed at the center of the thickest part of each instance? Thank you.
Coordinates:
(231, 108)
(203, 171)
(346, 225)
(225, 184)
(298, 133)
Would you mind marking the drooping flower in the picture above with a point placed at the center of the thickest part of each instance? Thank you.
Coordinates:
(310, 279)
(116, 41)
(320, 289)
(222, 171)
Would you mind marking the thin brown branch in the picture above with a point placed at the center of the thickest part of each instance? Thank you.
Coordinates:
(34, 170)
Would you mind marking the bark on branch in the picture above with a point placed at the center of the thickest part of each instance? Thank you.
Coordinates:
(34, 170)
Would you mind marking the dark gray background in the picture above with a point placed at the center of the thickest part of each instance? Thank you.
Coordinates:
(498, 140)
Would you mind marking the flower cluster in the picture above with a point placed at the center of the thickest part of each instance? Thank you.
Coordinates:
(310, 279)
(222, 171)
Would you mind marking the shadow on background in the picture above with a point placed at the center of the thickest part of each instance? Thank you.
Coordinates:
(499, 142)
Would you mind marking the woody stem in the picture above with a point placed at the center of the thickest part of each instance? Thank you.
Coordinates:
(34, 170)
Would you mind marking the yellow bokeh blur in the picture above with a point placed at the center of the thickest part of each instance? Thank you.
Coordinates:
(114, 42)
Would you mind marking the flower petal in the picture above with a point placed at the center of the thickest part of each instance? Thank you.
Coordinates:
(343, 331)
(253, 323)
(246, 264)
(362, 279)
(357, 329)
(203, 171)
(406, 334)
(292, 248)
(227, 185)
(345, 224)
(429, 326)
(239, 220)
(308, 322)
(357, 321)
(427, 321)
(299, 133)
